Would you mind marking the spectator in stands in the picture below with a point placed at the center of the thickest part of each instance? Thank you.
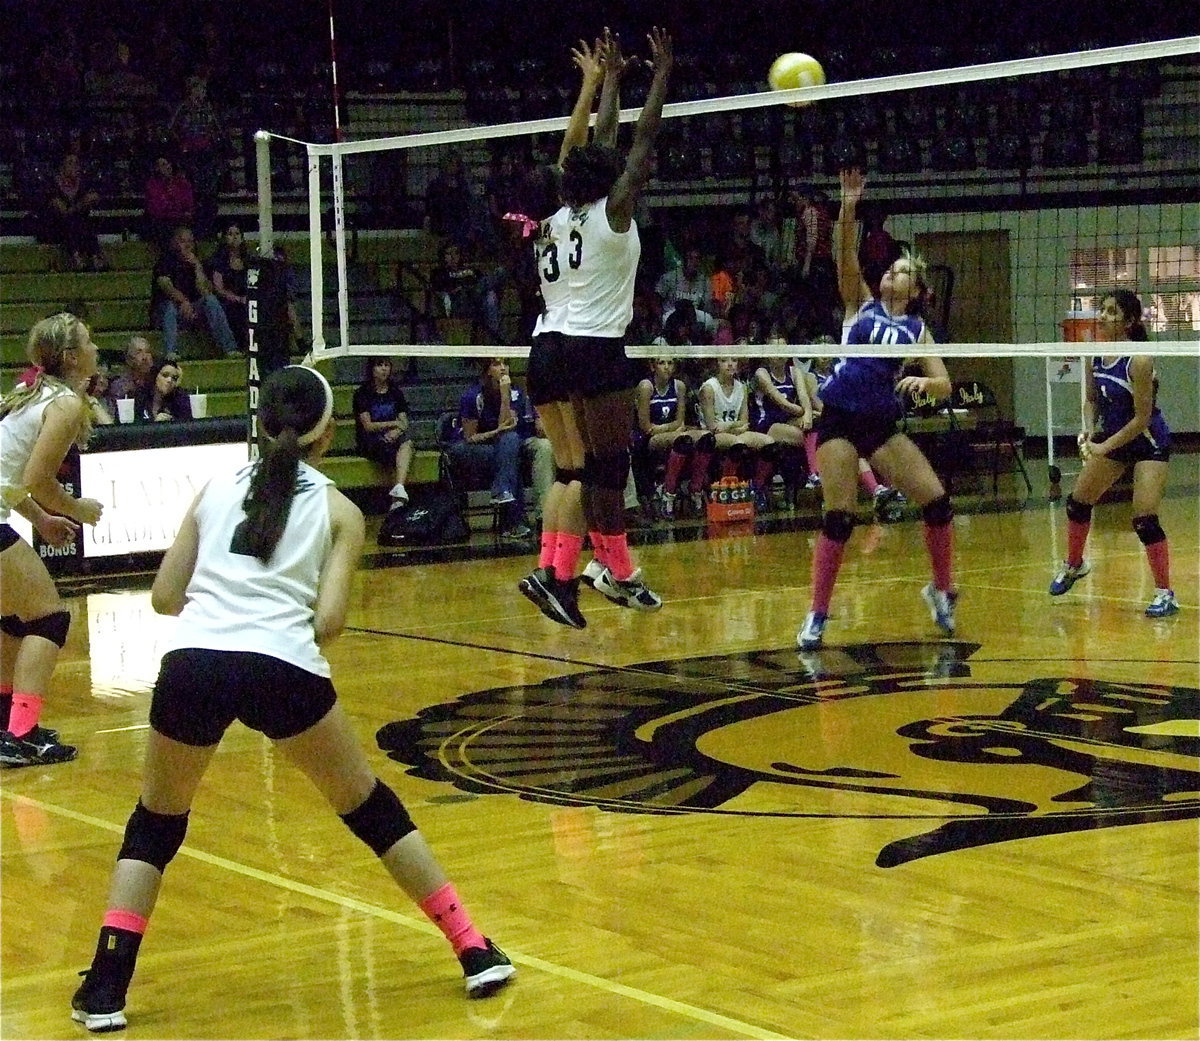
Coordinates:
(100, 399)
(453, 210)
(492, 419)
(198, 134)
(812, 263)
(381, 424)
(170, 202)
(69, 223)
(740, 246)
(463, 289)
(161, 399)
(765, 231)
(878, 250)
(181, 291)
(688, 282)
(227, 272)
(139, 362)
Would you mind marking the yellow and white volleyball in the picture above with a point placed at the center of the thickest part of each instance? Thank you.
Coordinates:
(793, 70)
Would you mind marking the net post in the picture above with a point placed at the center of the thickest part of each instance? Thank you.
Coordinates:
(314, 250)
(262, 164)
(339, 240)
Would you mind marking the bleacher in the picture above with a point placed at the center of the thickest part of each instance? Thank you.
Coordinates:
(388, 289)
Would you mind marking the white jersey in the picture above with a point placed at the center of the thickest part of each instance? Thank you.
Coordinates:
(548, 255)
(18, 434)
(235, 602)
(727, 407)
(600, 265)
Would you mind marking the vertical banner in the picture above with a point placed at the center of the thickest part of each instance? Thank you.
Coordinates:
(68, 559)
(266, 305)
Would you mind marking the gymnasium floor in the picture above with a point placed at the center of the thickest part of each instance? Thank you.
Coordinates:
(675, 824)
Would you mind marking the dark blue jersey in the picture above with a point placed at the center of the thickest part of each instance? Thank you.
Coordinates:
(664, 404)
(764, 411)
(1115, 404)
(869, 384)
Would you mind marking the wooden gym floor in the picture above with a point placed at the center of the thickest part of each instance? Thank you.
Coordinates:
(676, 824)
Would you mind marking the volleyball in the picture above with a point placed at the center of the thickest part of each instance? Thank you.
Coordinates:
(792, 70)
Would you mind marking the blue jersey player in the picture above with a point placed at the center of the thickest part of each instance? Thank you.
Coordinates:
(861, 409)
(1122, 425)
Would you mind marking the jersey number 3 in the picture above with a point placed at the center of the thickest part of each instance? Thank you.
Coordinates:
(552, 271)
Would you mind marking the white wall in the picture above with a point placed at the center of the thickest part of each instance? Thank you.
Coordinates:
(1040, 245)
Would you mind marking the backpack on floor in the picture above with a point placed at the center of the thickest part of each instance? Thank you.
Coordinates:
(431, 520)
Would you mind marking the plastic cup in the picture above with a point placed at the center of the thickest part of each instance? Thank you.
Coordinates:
(125, 410)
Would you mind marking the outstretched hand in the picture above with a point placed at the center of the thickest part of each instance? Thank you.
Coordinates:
(610, 53)
(661, 54)
(853, 184)
(589, 60)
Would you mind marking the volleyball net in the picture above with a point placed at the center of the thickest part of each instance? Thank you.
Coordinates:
(1031, 188)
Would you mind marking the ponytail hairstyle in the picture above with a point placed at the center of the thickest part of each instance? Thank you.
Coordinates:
(919, 272)
(49, 341)
(1131, 311)
(295, 407)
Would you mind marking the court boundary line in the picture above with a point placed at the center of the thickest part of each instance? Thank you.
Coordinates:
(644, 997)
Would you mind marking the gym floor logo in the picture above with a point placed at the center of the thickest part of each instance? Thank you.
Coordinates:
(903, 733)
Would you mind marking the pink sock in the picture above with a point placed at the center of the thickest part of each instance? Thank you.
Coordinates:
(446, 911)
(827, 560)
(566, 554)
(810, 451)
(939, 540)
(868, 481)
(764, 470)
(549, 542)
(699, 475)
(24, 714)
(1077, 533)
(675, 464)
(130, 921)
(1160, 564)
(598, 546)
(616, 556)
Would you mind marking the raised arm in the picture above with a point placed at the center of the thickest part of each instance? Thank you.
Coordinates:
(587, 60)
(845, 238)
(624, 194)
(607, 115)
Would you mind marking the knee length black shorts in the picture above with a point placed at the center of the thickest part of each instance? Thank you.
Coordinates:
(200, 692)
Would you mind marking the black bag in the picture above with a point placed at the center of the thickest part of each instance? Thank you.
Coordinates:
(431, 521)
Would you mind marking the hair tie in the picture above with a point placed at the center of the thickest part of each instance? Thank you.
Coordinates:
(313, 432)
(528, 224)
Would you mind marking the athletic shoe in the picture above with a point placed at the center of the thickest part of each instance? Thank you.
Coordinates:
(699, 504)
(812, 633)
(399, 493)
(592, 572)
(814, 481)
(1163, 604)
(558, 601)
(1067, 576)
(98, 1006)
(762, 503)
(485, 969)
(941, 607)
(517, 532)
(889, 504)
(666, 504)
(632, 592)
(503, 499)
(37, 748)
